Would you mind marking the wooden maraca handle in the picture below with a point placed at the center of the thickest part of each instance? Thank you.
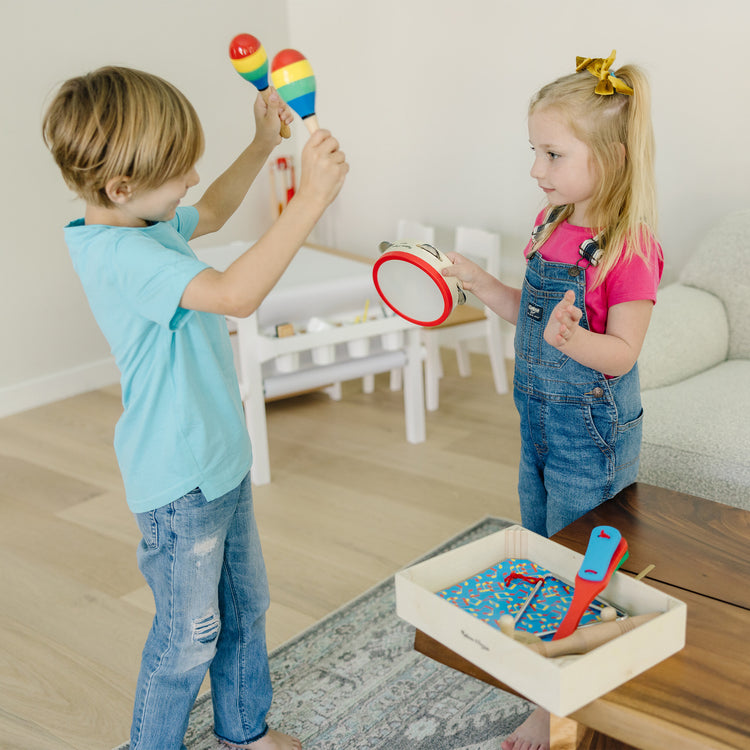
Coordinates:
(311, 123)
(587, 638)
(284, 130)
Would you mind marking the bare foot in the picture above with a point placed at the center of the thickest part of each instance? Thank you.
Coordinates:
(533, 734)
(271, 740)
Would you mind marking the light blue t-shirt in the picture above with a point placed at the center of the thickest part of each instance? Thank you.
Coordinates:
(182, 424)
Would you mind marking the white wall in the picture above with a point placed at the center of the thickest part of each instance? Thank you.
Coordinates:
(50, 346)
(428, 98)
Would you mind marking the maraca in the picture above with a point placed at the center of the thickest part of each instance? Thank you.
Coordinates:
(293, 78)
(251, 61)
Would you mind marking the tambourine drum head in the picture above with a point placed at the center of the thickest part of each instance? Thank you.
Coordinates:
(414, 290)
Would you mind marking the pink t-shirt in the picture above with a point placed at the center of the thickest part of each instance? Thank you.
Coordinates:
(626, 282)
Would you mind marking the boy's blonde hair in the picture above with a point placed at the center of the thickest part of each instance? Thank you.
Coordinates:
(624, 204)
(120, 122)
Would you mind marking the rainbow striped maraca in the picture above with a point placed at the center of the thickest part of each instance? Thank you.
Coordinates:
(293, 78)
(251, 61)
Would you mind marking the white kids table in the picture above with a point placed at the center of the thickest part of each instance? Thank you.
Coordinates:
(336, 288)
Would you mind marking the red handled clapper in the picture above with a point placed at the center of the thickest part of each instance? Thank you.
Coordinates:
(607, 550)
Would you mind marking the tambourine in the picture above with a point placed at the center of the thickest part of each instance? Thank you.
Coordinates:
(409, 280)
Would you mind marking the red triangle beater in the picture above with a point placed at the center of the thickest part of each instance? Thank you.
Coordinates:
(607, 550)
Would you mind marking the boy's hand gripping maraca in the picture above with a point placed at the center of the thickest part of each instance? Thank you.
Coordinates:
(324, 168)
(249, 58)
(270, 112)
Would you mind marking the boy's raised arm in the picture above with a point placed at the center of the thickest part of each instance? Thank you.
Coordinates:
(240, 289)
(224, 195)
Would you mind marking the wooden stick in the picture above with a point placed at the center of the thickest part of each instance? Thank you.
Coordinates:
(587, 638)
(644, 572)
(507, 626)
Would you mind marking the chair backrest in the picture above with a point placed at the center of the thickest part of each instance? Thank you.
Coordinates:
(479, 245)
(414, 231)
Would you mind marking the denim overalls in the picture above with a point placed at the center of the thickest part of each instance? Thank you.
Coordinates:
(580, 431)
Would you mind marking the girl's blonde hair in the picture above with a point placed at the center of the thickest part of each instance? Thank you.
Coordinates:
(617, 129)
(120, 122)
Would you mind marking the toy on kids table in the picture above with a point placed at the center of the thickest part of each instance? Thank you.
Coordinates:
(293, 77)
(409, 279)
(251, 61)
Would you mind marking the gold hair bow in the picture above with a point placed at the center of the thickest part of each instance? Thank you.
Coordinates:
(609, 83)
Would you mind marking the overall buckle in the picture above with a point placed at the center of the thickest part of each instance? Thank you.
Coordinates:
(590, 251)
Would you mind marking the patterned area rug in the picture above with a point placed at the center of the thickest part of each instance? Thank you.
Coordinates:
(354, 682)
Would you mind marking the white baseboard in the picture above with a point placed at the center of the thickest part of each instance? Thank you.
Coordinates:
(44, 390)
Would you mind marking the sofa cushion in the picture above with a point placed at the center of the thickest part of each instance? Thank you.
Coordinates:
(721, 265)
(688, 334)
(696, 435)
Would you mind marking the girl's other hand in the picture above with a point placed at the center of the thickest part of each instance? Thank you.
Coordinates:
(563, 322)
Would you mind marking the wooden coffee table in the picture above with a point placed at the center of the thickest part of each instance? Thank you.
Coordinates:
(700, 697)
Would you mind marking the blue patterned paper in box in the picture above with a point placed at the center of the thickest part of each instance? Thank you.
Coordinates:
(499, 590)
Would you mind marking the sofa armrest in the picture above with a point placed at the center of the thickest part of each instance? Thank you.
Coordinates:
(688, 333)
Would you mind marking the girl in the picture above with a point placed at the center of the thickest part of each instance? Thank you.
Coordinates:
(593, 267)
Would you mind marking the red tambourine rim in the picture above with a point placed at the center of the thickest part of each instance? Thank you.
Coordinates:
(430, 270)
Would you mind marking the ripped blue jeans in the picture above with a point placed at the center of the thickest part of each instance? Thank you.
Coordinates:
(204, 565)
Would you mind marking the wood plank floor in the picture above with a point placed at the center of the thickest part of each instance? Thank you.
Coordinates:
(350, 503)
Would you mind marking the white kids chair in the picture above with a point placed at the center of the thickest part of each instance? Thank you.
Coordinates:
(467, 322)
(414, 231)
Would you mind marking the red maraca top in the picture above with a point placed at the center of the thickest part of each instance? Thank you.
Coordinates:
(242, 46)
(286, 57)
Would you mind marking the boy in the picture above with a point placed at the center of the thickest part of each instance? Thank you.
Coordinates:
(127, 143)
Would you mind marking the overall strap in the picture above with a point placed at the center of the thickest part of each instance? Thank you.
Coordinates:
(538, 230)
(590, 250)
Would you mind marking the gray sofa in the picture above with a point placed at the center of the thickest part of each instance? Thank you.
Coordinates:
(695, 373)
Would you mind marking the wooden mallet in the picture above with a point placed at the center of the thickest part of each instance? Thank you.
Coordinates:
(589, 637)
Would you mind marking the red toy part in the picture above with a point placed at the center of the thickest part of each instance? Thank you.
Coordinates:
(586, 591)
(286, 57)
(403, 299)
(243, 45)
